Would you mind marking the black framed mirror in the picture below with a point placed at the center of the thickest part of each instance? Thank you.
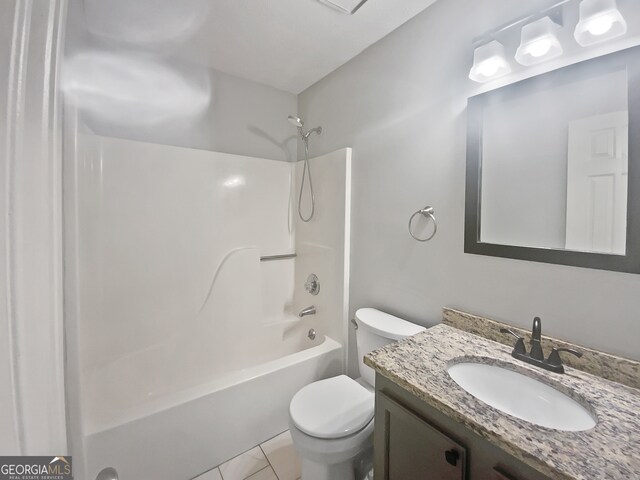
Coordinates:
(553, 167)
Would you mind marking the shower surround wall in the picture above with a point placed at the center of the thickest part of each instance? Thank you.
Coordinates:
(169, 242)
(175, 325)
(323, 243)
(401, 105)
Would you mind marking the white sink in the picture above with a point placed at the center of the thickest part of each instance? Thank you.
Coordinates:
(522, 396)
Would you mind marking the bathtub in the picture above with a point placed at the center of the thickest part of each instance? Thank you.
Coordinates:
(178, 434)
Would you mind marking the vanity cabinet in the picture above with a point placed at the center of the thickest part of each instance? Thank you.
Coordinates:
(414, 441)
(413, 448)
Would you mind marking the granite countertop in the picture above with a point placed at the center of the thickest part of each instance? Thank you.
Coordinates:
(609, 450)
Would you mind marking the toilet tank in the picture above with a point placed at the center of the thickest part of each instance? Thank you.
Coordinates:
(375, 330)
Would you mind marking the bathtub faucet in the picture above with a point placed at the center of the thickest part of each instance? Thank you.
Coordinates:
(307, 311)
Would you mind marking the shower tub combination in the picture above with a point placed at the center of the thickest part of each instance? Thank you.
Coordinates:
(184, 348)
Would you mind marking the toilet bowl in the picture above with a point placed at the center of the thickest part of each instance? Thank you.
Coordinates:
(331, 420)
(331, 424)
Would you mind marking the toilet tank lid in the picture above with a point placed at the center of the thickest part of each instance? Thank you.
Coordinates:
(386, 325)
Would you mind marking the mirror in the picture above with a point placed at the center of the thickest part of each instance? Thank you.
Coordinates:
(551, 166)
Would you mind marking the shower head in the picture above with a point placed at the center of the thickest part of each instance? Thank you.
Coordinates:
(296, 121)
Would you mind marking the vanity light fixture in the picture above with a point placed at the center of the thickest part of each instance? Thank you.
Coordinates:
(489, 62)
(538, 42)
(600, 20)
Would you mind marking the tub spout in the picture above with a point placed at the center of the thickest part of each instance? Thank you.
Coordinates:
(307, 311)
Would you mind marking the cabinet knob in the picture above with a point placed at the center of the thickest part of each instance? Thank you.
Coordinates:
(452, 456)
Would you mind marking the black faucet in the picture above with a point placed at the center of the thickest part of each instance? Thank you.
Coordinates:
(536, 355)
(536, 334)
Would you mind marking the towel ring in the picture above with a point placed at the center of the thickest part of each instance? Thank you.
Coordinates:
(427, 212)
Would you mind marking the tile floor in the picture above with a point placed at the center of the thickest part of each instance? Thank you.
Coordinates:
(274, 459)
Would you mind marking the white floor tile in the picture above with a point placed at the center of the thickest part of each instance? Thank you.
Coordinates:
(210, 475)
(264, 474)
(282, 456)
(242, 466)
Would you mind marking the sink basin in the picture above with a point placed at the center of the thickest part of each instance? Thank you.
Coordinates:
(522, 396)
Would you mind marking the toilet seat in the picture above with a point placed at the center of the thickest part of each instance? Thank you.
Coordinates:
(332, 408)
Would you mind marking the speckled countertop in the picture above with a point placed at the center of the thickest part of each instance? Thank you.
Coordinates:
(610, 450)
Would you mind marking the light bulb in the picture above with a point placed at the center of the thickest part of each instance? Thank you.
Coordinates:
(539, 48)
(600, 25)
(489, 67)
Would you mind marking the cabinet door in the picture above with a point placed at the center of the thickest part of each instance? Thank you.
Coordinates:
(502, 473)
(409, 448)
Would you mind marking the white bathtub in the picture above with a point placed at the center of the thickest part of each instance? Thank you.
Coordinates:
(180, 434)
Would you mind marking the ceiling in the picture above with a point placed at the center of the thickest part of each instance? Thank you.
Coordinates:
(286, 44)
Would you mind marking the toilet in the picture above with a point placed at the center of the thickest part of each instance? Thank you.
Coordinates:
(331, 421)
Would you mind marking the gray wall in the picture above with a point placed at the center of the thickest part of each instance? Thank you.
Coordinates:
(243, 118)
(401, 106)
(129, 98)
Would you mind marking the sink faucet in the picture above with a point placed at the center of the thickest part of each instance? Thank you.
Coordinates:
(307, 311)
(536, 333)
(536, 356)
